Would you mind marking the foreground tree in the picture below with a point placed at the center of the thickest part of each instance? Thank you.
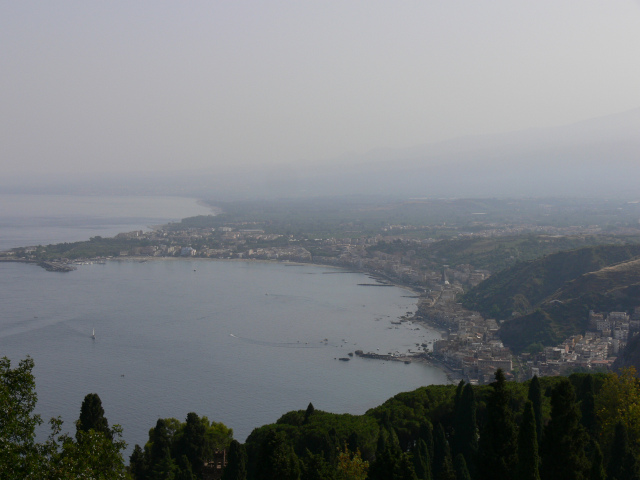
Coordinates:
(465, 440)
(277, 460)
(498, 443)
(619, 402)
(597, 463)
(535, 396)
(622, 464)
(92, 416)
(422, 460)
(460, 468)
(179, 449)
(191, 444)
(351, 466)
(236, 468)
(528, 459)
(137, 464)
(94, 454)
(18, 451)
(588, 405)
(565, 439)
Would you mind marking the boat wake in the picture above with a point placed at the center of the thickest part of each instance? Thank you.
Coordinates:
(265, 343)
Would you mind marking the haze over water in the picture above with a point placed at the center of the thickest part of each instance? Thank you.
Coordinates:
(239, 342)
(43, 219)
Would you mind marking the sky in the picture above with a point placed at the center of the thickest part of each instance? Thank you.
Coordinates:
(122, 86)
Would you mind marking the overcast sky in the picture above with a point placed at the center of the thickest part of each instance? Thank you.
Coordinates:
(163, 85)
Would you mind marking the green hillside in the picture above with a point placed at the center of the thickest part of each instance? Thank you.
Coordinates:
(544, 301)
(524, 286)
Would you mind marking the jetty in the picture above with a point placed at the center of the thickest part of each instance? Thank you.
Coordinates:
(57, 266)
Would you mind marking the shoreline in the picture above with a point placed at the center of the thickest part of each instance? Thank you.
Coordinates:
(416, 294)
(452, 375)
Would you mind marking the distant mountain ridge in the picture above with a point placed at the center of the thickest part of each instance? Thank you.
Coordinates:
(595, 157)
(546, 300)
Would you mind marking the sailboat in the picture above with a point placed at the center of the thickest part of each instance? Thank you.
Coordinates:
(93, 334)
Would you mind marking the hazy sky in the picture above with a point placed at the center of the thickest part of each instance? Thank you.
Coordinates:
(132, 85)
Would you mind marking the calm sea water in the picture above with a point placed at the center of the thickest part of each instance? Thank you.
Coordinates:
(239, 342)
(43, 219)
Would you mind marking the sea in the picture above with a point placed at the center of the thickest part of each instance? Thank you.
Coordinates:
(240, 342)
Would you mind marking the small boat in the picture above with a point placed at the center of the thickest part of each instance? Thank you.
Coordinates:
(93, 334)
(344, 359)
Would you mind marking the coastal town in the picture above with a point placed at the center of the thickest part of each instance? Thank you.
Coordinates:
(470, 347)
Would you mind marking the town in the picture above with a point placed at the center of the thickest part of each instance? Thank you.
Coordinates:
(470, 347)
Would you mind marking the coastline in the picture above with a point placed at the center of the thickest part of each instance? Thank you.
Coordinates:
(452, 375)
(416, 294)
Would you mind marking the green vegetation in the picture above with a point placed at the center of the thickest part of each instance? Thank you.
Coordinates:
(94, 453)
(527, 284)
(496, 253)
(347, 216)
(591, 428)
(95, 247)
(180, 450)
(544, 301)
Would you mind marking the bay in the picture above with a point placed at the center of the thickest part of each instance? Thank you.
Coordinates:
(239, 342)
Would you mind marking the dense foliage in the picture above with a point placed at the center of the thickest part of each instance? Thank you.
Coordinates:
(94, 453)
(581, 427)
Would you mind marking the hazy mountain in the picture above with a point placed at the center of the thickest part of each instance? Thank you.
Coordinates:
(596, 157)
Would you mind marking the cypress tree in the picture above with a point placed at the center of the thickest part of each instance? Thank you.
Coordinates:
(465, 440)
(597, 463)
(456, 400)
(92, 416)
(497, 450)
(388, 456)
(353, 442)
(161, 464)
(191, 443)
(460, 467)
(565, 440)
(422, 460)
(588, 405)
(236, 468)
(441, 464)
(385, 465)
(381, 444)
(405, 469)
(528, 459)
(183, 469)
(426, 434)
(277, 459)
(622, 464)
(447, 472)
(137, 464)
(315, 467)
(535, 395)
(309, 412)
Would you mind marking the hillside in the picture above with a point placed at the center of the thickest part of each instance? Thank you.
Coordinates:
(617, 281)
(497, 253)
(526, 285)
(544, 301)
(630, 357)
